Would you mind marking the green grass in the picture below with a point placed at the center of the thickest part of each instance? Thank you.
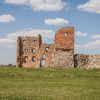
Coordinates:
(49, 84)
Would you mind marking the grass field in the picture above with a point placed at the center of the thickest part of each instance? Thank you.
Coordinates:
(49, 84)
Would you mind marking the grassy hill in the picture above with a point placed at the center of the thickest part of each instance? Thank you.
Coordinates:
(49, 84)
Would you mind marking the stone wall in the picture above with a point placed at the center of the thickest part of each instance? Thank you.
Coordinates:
(87, 61)
(64, 39)
(27, 48)
(45, 55)
(63, 59)
(31, 52)
(19, 55)
(64, 47)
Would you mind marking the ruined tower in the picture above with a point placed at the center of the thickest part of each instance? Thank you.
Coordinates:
(27, 48)
(64, 39)
(64, 47)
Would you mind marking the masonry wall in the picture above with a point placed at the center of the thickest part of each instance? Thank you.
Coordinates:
(87, 61)
(63, 59)
(45, 55)
(19, 55)
(30, 47)
(31, 52)
(27, 48)
(64, 47)
(64, 39)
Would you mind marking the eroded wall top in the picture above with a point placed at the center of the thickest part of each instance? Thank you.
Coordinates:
(64, 38)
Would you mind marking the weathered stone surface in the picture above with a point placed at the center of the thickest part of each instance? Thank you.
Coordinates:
(32, 53)
(87, 61)
(63, 59)
(64, 39)
(64, 48)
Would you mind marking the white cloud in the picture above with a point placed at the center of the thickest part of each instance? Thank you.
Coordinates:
(11, 38)
(57, 21)
(81, 34)
(95, 36)
(89, 46)
(6, 18)
(6, 41)
(91, 6)
(40, 5)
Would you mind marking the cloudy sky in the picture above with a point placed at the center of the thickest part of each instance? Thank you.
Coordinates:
(32, 17)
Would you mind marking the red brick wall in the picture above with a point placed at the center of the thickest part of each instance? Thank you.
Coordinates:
(43, 57)
(64, 38)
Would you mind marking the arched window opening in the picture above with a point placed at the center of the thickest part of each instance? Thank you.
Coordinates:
(66, 34)
(34, 50)
(47, 49)
(33, 59)
(25, 59)
(26, 50)
(35, 41)
(44, 56)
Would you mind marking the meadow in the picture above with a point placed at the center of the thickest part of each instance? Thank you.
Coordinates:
(49, 84)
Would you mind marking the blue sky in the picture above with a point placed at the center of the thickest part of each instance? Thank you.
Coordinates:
(31, 17)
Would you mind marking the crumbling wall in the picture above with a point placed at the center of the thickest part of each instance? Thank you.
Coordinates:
(64, 47)
(19, 55)
(63, 59)
(87, 61)
(45, 55)
(32, 53)
(27, 48)
(64, 39)
(31, 46)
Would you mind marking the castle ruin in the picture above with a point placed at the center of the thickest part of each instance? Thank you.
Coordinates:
(33, 53)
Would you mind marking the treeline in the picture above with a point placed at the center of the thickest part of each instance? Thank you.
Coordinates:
(9, 65)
